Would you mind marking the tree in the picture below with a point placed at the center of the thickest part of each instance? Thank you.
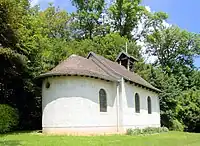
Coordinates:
(17, 89)
(169, 87)
(174, 48)
(125, 15)
(109, 46)
(45, 34)
(134, 21)
(174, 73)
(55, 22)
(11, 18)
(86, 19)
(148, 24)
(188, 110)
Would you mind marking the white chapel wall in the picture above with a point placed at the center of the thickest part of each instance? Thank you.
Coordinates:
(72, 103)
(131, 119)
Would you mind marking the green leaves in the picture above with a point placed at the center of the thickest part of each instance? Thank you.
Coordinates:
(174, 48)
(9, 118)
(108, 46)
(87, 17)
(125, 15)
(189, 109)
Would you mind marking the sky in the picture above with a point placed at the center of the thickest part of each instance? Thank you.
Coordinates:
(182, 13)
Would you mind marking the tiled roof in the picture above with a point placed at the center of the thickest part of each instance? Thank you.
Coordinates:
(97, 66)
(77, 65)
(121, 71)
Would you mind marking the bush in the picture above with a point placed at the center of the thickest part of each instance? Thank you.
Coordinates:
(136, 131)
(177, 126)
(8, 118)
(148, 130)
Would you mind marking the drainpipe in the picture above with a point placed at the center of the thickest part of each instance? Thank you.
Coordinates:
(128, 64)
(118, 106)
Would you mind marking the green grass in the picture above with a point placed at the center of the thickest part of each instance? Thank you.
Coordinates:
(38, 139)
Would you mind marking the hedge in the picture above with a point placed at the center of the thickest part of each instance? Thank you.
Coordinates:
(9, 118)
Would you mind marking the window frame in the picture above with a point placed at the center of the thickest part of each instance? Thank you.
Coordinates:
(149, 105)
(103, 101)
(47, 84)
(137, 103)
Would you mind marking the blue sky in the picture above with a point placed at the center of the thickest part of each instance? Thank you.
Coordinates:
(183, 13)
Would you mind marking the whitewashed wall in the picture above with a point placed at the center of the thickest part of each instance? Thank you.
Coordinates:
(131, 119)
(71, 104)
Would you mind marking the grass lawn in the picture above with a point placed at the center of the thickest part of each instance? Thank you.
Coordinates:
(38, 139)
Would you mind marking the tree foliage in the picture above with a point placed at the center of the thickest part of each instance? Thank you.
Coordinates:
(8, 118)
(33, 41)
(87, 17)
(188, 110)
(174, 47)
(125, 15)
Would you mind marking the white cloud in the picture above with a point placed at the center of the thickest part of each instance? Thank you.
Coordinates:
(34, 2)
(148, 8)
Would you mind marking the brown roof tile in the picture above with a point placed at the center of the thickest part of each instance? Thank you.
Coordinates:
(77, 65)
(96, 66)
(119, 70)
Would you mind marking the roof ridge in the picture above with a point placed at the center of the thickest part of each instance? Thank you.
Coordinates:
(108, 67)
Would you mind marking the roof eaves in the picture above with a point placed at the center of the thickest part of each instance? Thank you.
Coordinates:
(152, 88)
(79, 74)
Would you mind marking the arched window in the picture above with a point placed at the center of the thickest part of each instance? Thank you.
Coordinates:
(149, 104)
(137, 103)
(103, 100)
(47, 85)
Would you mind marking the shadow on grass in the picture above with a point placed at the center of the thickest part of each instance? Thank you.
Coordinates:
(10, 143)
(21, 132)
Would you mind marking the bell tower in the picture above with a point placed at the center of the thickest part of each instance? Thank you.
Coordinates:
(126, 60)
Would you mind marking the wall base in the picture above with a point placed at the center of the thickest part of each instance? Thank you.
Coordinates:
(83, 131)
(92, 130)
